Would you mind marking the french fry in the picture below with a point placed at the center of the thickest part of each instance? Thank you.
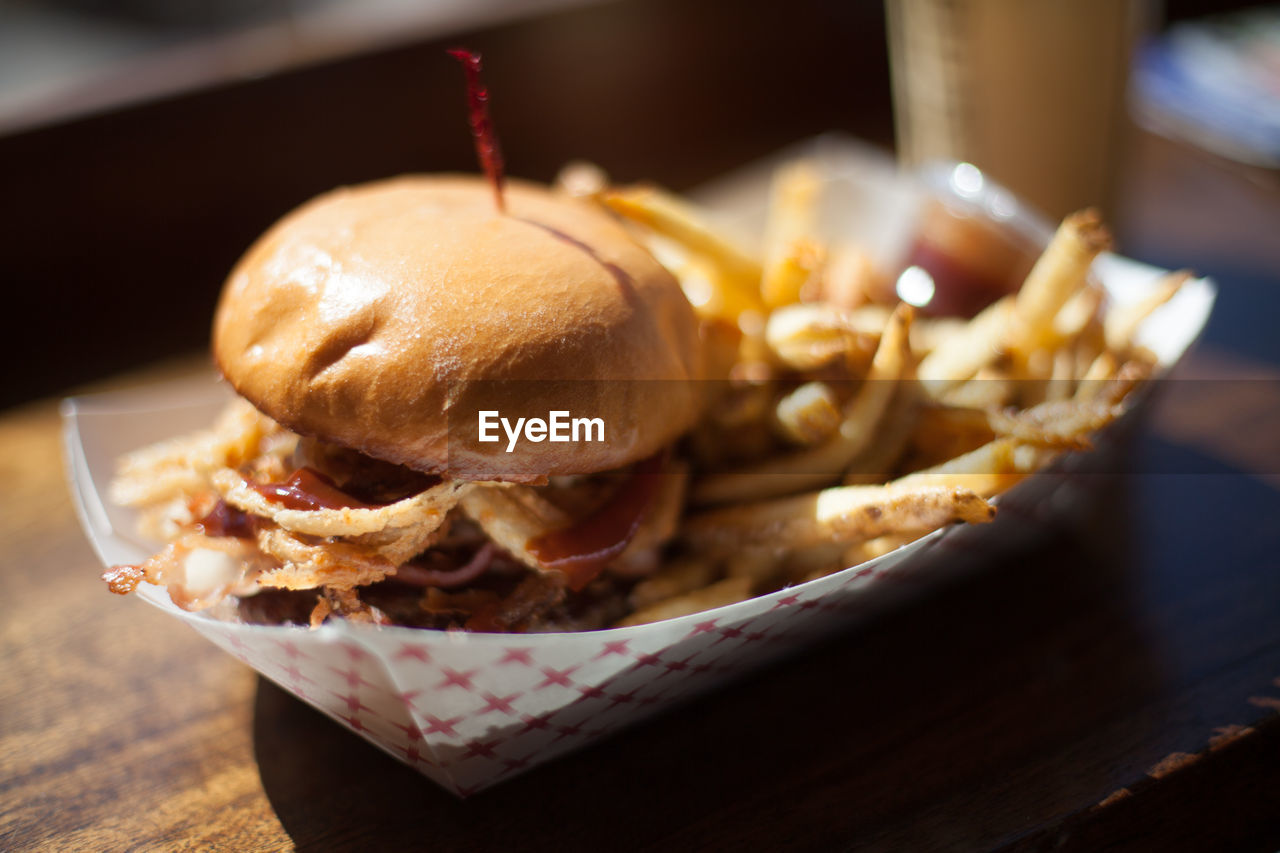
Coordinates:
(791, 256)
(822, 464)
(1051, 373)
(882, 453)
(869, 319)
(928, 333)
(960, 356)
(1122, 323)
(739, 274)
(878, 547)
(856, 555)
(1064, 424)
(1059, 273)
(944, 432)
(986, 471)
(747, 403)
(1062, 382)
(1077, 314)
(740, 486)
(788, 274)
(718, 594)
(991, 388)
(847, 514)
(1110, 380)
(806, 337)
(799, 566)
(759, 565)
(677, 577)
(1089, 344)
(848, 279)
(809, 414)
(1104, 366)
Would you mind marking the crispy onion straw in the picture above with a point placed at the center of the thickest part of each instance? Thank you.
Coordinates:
(180, 466)
(306, 565)
(425, 508)
(511, 516)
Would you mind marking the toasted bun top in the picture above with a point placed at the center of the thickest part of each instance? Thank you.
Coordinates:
(385, 317)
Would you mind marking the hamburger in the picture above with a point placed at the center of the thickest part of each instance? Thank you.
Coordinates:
(412, 367)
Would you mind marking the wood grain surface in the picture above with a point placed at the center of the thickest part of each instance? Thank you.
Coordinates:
(101, 705)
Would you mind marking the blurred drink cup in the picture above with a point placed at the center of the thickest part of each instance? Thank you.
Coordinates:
(1032, 92)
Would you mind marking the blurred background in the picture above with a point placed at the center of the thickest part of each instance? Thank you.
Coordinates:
(145, 143)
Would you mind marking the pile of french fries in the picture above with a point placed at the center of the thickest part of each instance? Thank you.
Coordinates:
(848, 426)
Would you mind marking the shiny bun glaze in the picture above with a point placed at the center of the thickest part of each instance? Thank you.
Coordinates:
(382, 317)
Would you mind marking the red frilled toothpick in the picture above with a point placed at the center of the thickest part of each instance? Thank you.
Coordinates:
(487, 150)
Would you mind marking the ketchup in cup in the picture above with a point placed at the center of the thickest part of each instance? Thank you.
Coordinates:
(970, 261)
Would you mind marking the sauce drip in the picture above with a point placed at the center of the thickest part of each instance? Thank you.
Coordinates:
(308, 489)
(582, 550)
(364, 478)
(486, 140)
(619, 274)
(225, 520)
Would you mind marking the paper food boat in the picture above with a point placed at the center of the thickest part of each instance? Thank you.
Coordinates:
(469, 710)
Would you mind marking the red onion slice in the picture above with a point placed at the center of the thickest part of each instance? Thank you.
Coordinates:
(451, 578)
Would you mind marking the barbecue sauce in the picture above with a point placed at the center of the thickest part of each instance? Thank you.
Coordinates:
(308, 489)
(972, 261)
(225, 520)
(582, 550)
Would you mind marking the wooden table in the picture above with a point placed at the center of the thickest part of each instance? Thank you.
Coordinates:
(1114, 687)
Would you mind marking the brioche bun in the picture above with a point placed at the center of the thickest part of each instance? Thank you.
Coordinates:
(384, 317)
